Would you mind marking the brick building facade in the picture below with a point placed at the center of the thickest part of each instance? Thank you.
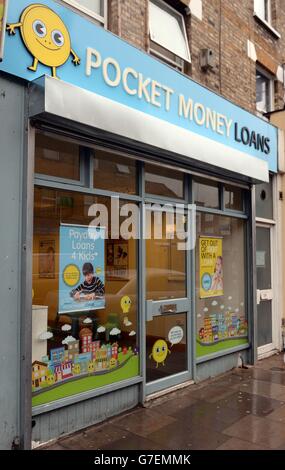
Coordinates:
(238, 38)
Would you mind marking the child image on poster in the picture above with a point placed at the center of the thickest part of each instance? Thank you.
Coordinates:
(82, 268)
(211, 266)
(91, 288)
(217, 278)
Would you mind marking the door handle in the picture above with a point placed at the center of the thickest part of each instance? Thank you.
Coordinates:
(266, 294)
(168, 309)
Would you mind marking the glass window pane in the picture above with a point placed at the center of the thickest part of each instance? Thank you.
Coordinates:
(263, 9)
(233, 198)
(56, 156)
(166, 28)
(95, 6)
(263, 258)
(173, 359)
(264, 323)
(206, 193)
(220, 284)
(92, 342)
(165, 263)
(264, 200)
(267, 10)
(164, 182)
(166, 55)
(262, 92)
(114, 173)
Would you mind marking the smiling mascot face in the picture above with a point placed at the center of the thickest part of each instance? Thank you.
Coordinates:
(159, 351)
(45, 35)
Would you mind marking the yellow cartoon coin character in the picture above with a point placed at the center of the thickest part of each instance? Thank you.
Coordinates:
(159, 352)
(45, 36)
(126, 304)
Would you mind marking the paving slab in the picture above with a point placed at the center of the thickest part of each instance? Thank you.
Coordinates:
(241, 410)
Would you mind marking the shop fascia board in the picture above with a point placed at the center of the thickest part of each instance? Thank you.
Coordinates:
(60, 100)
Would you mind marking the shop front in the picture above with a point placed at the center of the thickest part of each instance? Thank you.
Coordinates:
(138, 272)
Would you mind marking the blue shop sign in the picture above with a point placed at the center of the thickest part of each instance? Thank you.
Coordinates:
(48, 38)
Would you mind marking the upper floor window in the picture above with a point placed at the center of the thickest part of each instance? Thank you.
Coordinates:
(263, 13)
(168, 38)
(263, 9)
(264, 91)
(95, 8)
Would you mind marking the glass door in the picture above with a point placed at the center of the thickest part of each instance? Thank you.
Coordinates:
(167, 303)
(264, 290)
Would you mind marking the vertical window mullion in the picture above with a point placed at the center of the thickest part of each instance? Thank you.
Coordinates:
(222, 197)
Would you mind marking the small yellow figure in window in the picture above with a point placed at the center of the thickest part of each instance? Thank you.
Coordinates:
(76, 369)
(126, 304)
(91, 367)
(51, 379)
(45, 37)
(159, 351)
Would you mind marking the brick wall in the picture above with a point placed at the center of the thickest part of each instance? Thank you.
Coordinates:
(226, 27)
(129, 20)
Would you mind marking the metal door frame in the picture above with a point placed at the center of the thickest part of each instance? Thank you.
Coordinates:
(175, 379)
(267, 349)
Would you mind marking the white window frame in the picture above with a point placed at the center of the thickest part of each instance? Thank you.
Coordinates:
(267, 13)
(179, 65)
(270, 78)
(266, 6)
(78, 7)
(276, 241)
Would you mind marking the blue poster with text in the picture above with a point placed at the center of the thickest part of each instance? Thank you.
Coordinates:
(81, 269)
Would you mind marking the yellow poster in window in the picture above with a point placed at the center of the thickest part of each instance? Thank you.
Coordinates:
(211, 267)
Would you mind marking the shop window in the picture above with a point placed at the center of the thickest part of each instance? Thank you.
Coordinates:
(168, 38)
(164, 182)
(220, 284)
(265, 13)
(114, 173)
(264, 91)
(233, 198)
(264, 200)
(165, 263)
(165, 279)
(95, 8)
(262, 8)
(206, 193)
(85, 298)
(57, 157)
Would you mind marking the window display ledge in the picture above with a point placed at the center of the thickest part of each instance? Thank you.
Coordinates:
(210, 357)
(37, 410)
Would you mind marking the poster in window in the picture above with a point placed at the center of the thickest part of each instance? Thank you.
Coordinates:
(81, 268)
(3, 16)
(117, 260)
(211, 267)
(47, 259)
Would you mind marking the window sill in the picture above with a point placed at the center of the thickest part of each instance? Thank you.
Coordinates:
(74, 399)
(262, 115)
(267, 26)
(219, 354)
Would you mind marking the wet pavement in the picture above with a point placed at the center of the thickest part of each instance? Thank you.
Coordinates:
(241, 410)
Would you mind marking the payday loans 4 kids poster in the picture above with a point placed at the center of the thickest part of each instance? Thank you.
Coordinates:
(81, 265)
(211, 267)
